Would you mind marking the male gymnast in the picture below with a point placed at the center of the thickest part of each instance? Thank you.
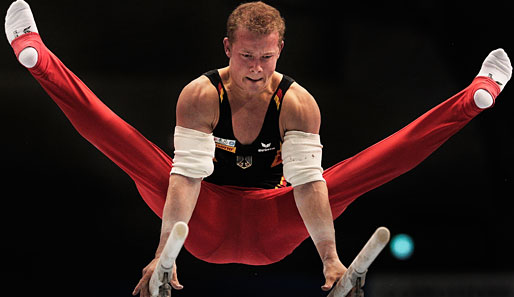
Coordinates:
(246, 174)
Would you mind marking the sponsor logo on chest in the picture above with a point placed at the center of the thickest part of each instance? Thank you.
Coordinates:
(265, 147)
(225, 144)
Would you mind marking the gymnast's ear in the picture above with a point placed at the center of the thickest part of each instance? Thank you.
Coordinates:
(281, 47)
(227, 47)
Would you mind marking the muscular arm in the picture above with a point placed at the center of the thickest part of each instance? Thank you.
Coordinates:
(180, 202)
(197, 110)
(312, 202)
(301, 113)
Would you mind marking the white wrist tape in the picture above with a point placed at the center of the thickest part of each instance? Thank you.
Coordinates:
(194, 151)
(301, 157)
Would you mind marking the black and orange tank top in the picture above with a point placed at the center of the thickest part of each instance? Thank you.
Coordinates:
(258, 164)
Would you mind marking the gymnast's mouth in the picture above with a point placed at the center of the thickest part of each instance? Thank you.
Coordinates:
(254, 80)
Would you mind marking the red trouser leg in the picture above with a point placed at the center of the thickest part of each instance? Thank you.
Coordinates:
(405, 149)
(232, 224)
(144, 162)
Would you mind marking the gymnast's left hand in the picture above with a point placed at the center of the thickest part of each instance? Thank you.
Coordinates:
(333, 270)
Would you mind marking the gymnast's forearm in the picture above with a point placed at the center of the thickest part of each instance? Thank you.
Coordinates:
(313, 204)
(180, 203)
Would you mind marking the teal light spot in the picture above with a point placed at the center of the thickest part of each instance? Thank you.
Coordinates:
(402, 246)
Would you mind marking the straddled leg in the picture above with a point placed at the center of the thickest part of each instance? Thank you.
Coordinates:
(143, 161)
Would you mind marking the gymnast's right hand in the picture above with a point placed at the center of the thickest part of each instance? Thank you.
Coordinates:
(143, 285)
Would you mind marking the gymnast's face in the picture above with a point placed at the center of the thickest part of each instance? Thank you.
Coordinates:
(253, 59)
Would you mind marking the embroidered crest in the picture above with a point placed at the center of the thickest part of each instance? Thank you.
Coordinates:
(244, 161)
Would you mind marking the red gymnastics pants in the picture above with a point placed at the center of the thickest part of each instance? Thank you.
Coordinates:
(242, 225)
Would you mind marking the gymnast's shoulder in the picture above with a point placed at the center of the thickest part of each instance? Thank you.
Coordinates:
(300, 110)
(197, 105)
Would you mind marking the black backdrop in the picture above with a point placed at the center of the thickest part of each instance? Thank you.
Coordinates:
(74, 222)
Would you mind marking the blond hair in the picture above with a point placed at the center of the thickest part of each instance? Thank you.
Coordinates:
(256, 17)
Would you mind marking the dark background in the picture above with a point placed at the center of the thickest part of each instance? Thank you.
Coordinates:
(74, 224)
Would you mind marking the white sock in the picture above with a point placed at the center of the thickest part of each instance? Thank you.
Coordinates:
(28, 57)
(497, 67)
(483, 99)
(18, 21)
